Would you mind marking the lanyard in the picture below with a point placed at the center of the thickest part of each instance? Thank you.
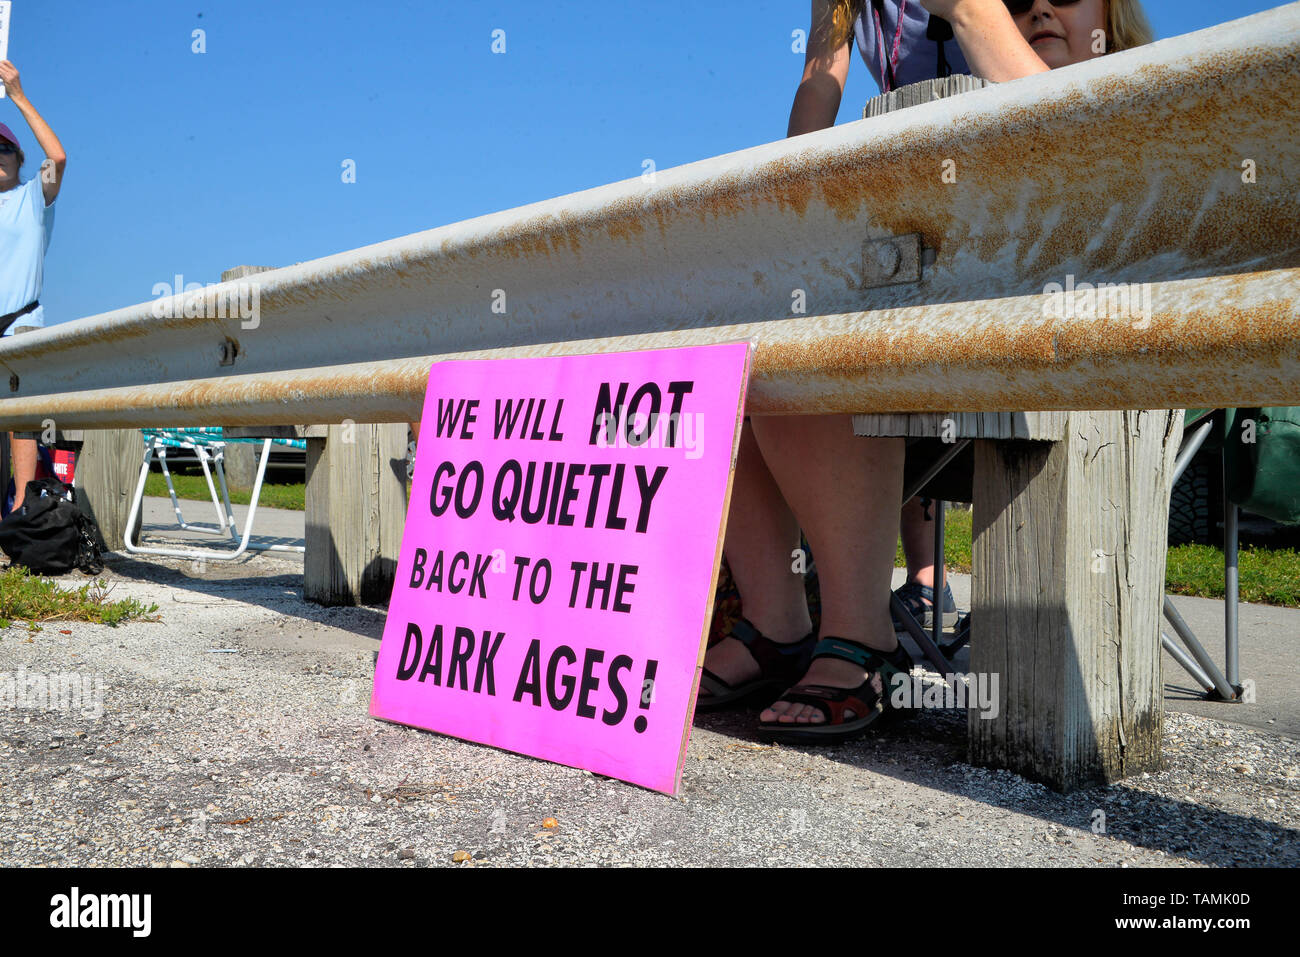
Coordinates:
(887, 60)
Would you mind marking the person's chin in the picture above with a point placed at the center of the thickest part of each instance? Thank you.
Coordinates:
(1053, 52)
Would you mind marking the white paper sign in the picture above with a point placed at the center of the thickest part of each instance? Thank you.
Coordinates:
(4, 36)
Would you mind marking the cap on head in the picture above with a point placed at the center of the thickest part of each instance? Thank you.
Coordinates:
(8, 134)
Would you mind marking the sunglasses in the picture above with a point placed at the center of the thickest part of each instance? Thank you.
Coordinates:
(1018, 7)
(8, 148)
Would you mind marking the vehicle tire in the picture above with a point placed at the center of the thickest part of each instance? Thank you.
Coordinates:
(1196, 503)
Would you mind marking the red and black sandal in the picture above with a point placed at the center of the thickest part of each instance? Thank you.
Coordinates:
(868, 706)
(778, 666)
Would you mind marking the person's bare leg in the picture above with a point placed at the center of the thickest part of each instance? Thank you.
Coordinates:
(762, 534)
(845, 491)
(918, 542)
(23, 455)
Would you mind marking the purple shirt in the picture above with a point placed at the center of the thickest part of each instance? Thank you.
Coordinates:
(917, 58)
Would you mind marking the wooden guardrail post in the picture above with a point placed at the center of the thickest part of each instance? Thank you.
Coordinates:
(1069, 575)
(356, 510)
(239, 460)
(1071, 511)
(108, 469)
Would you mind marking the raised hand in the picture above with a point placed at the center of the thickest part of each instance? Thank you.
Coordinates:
(9, 77)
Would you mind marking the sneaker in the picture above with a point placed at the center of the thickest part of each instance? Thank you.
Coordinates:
(919, 600)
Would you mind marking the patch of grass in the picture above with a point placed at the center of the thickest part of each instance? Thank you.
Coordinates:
(30, 598)
(1267, 576)
(195, 488)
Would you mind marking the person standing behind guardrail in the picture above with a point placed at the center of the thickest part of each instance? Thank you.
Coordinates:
(26, 223)
(811, 472)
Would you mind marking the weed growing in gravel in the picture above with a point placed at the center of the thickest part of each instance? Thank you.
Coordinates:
(29, 598)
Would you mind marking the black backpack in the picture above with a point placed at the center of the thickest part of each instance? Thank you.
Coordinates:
(49, 534)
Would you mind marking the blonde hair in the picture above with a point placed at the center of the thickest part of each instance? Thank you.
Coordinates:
(842, 19)
(1126, 23)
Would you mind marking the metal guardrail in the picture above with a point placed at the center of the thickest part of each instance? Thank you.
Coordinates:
(920, 294)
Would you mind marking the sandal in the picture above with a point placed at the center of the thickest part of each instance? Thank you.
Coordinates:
(868, 705)
(918, 599)
(778, 666)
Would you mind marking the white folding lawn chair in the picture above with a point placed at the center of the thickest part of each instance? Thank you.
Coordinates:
(208, 446)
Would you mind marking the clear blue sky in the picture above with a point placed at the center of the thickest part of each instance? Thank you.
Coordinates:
(191, 163)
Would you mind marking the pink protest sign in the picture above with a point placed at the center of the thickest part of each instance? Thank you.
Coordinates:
(560, 555)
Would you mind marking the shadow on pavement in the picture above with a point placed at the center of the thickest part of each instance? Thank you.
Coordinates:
(233, 581)
(930, 751)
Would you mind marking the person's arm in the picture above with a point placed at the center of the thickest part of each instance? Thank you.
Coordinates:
(55, 158)
(825, 71)
(989, 39)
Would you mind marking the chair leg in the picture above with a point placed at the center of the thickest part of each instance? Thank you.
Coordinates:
(171, 488)
(940, 573)
(929, 646)
(257, 493)
(222, 524)
(1191, 446)
(252, 510)
(1231, 585)
(137, 501)
(228, 521)
(201, 455)
(1200, 665)
(920, 636)
(1202, 657)
(1190, 666)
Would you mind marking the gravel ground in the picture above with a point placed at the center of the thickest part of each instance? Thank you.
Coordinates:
(235, 732)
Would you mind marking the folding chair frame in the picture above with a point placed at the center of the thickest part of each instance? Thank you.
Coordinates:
(929, 644)
(210, 459)
(1199, 664)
